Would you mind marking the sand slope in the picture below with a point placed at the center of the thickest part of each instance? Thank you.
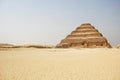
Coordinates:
(60, 64)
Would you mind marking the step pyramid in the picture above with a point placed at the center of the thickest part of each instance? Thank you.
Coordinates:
(85, 36)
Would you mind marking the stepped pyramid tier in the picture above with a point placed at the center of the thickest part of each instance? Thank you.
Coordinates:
(85, 36)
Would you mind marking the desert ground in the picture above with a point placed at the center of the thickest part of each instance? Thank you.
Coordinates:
(60, 64)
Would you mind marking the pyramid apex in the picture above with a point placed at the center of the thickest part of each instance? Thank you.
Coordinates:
(85, 24)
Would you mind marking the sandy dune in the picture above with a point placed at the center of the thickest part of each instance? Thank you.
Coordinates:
(60, 64)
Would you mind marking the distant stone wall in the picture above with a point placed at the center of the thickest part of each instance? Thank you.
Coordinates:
(5, 45)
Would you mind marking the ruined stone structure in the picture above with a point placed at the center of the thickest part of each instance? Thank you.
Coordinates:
(85, 36)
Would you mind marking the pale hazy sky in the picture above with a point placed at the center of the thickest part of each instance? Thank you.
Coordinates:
(49, 21)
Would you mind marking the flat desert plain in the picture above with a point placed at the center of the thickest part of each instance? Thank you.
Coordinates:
(60, 64)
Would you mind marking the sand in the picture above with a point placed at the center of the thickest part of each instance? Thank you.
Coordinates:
(60, 64)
